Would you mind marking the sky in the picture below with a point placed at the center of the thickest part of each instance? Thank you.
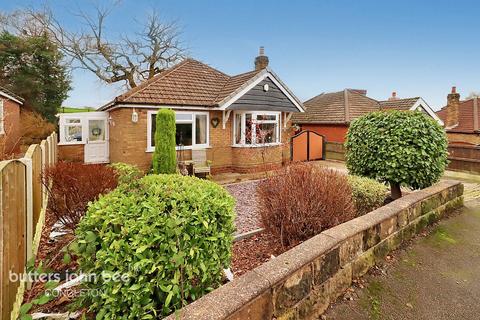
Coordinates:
(416, 48)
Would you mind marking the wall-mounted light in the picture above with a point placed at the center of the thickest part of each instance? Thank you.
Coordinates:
(266, 87)
(134, 116)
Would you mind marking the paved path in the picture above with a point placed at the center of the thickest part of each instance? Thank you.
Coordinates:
(437, 277)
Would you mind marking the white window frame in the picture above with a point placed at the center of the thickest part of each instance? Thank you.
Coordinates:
(193, 122)
(255, 122)
(63, 125)
(2, 116)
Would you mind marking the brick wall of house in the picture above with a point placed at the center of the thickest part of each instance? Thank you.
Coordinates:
(332, 132)
(10, 140)
(128, 143)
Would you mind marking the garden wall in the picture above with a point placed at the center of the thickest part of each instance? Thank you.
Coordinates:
(301, 283)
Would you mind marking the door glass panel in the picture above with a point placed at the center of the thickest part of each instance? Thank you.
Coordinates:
(96, 130)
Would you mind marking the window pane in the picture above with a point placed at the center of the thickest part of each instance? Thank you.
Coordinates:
(248, 128)
(201, 129)
(267, 133)
(266, 117)
(238, 128)
(96, 130)
(154, 127)
(184, 134)
(73, 133)
(183, 116)
(72, 120)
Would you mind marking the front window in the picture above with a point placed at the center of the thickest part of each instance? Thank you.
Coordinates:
(256, 128)
(72, 130)
(191, 129)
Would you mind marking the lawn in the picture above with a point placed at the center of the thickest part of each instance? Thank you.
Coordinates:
(73, 110)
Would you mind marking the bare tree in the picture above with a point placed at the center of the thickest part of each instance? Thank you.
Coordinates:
(129, 59)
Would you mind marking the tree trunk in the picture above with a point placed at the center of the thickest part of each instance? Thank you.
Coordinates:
(395, 191)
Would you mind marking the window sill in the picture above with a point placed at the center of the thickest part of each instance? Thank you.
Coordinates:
(149, 150)
(276, 144)
(71, 143)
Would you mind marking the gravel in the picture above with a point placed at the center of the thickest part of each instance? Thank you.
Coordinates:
(248, 217)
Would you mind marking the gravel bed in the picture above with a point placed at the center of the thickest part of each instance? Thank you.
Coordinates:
(248, 217)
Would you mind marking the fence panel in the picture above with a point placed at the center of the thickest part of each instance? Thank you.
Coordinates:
(13, 224)
(34, 153)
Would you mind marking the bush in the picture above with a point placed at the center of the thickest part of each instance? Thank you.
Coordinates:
(34, 128)
(171, 234)
(126, 173)
(165, 155)
(399, 147)
(302, 200)
(72, 185)
(367, 194)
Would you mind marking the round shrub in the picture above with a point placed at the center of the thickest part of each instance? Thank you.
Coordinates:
(399, 147)
(171, 236)
(302, 200)
(126, 173)
(367, 194)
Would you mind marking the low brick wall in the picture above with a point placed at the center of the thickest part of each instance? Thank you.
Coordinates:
(335, 151)
(301, 283)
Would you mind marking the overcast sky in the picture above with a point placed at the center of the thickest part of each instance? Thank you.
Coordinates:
(417, 48)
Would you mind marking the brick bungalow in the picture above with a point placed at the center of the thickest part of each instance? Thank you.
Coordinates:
(10, 105)
(216, 112)
(330, 114)
(462, 119)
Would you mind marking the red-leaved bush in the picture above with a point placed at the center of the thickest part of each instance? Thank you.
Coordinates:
(72, 185)
(302, 200)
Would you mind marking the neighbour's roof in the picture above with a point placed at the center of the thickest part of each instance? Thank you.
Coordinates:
(337, 107)
(10, 95)
(399, 104)
(465, 116)
(189, 83)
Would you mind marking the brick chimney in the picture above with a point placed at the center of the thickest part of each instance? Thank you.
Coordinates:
(261, 62)
(393, 97)
(453, 100)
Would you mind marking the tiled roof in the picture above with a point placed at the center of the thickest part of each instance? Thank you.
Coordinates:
(398, 104)
(189, 83)
(336, 107)
(465, 116)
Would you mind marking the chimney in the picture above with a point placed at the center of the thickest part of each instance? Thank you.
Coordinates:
(261, 62)
(453, 100)
(393, 97)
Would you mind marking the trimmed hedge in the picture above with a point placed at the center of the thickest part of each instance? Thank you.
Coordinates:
(126, 173)
(367, 194)
(165, 154)
(171, 235)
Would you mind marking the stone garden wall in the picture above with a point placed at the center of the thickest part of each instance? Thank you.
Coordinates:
(301, 283)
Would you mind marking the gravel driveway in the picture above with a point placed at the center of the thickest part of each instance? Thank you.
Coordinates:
(248, 217)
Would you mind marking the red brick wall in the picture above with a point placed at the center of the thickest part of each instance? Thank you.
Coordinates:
(332, 132)
(10, 140)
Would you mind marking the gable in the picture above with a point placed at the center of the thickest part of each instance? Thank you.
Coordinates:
(258, 99)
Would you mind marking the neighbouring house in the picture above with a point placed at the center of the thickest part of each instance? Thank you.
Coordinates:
(10, 105)
(330, 114)
(221, 114)
(462, 119)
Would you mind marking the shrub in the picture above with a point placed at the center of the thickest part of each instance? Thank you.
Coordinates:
(165, 155)
(367, 194)
(34, 127)
(399, 147)
(71, 186)
(126, 173)
(303, 200)
(171, 234)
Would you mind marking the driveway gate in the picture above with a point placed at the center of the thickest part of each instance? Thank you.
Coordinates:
(306, 146)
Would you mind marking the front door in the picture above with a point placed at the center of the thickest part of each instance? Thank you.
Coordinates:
(96, 147)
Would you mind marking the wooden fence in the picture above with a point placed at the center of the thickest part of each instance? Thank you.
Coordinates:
(335, 151)
(23, 201)
(464, 158)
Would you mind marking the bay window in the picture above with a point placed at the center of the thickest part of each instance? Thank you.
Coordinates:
(256, 128)
(191, 129)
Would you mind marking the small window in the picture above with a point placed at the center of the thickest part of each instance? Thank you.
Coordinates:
(72, 130)
(191, 130)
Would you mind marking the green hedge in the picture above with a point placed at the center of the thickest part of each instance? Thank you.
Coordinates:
(172, 235)
(126, 173)
(367, 194)
(165, 155)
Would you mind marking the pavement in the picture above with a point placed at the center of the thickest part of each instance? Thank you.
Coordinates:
(436, 276)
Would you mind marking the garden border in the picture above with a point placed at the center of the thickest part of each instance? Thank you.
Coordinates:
(301, 283)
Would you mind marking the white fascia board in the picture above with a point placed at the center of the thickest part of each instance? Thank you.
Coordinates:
(426, 107)
(6, 95)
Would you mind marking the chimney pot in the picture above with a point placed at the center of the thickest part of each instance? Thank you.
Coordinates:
(454, 89)
(261, 51)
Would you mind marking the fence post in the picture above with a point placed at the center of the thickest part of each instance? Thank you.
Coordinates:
(44, 166)
(29, 205)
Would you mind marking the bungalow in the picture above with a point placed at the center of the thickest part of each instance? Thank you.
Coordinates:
(10, 105)
(330, 114)
(462, 119)
(217, 114)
